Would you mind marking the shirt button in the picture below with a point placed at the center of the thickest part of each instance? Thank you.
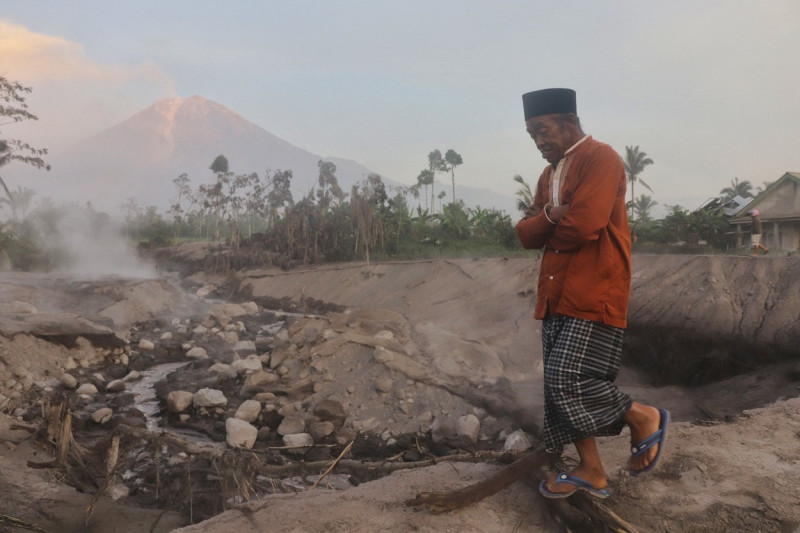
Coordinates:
(551, 277)
(556, 251)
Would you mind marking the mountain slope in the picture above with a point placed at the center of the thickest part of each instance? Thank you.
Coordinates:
(140, 157)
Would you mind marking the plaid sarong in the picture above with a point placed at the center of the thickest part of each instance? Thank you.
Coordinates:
(581, 362)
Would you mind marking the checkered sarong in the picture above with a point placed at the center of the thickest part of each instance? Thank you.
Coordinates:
(581, 361)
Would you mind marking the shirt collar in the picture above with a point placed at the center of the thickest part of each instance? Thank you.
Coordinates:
(574, 146)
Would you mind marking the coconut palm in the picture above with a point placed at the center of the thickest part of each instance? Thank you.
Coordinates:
(737, 188)
(642, 207)
(452, 159)
(635, 162)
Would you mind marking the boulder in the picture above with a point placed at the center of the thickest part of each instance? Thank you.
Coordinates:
(240, 434)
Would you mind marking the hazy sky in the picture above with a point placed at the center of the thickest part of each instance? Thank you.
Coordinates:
(709, 89)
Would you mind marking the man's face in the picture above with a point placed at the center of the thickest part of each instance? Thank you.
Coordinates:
(552, 137)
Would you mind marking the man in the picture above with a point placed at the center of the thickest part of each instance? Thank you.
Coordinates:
(755, 232)
(578, 217)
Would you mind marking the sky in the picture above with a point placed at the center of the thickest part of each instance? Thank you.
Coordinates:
(708, 89)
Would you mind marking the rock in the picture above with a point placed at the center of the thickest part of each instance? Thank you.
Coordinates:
(146, 345)
(209, 398)
(16, 307)
(115, 386)
(264, 397)
(202, 292)
(223, 370)
(244, 348)
(263, 433)
(282, 338)
(382, 355)
(118, 491)
(248, 411)
(468, 426)
(517, 441)
(384, 334)
(87, 389)
(310, 331)
(133, 375)
(69, 381)
(384, 384)
(14, 430)
(240, 434)
(103, 415)
(251, 308)
(292, 424)
(258, 381)
(443, 427)
(319, 430)
(197, 353)
(330, 410)
(179, 400)
(231, 337)
(250, 364)
(298, 442)
(367, 425)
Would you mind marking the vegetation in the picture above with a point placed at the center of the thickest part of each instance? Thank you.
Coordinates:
(635, 162)
(328, 224)
(13, 110)
(737, 188)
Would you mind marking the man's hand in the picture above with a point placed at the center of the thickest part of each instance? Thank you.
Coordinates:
(556, 213)
(531, 212)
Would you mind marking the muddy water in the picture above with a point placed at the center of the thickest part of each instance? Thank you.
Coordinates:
(144, 391)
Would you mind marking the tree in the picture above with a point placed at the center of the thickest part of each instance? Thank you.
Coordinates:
(14, 109)
(763, 187)
(737, 188)
(424, 179)
(214, 196)
(177, 210)
(329, 189)
(451, 161)
(20, 199)
(436, 163)
(642, 207)
(281, 194)
(635, 162)
(367, 204)
(524, 194)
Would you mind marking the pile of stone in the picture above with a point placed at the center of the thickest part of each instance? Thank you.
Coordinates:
(261, 378)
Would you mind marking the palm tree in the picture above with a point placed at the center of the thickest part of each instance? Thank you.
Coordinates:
(737, 188)
(642, 207)
(524, 194)
(635, 161)
(436, 163)
(425, 178)
(452, 159)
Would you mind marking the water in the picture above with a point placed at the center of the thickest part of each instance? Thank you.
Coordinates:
(145, 394)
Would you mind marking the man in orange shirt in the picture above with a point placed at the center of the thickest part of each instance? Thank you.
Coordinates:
(579, 219)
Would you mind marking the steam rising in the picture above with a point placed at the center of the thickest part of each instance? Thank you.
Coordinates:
(91, 245)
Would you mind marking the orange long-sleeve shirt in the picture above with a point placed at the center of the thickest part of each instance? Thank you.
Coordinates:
(586, 267)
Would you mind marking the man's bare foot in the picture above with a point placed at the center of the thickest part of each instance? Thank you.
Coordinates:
(597, 479)
(643, 421)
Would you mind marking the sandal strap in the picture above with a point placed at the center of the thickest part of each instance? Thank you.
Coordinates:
(649, 442)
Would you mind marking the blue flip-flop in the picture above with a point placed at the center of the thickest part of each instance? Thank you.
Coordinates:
(578, 483)
(659, 437)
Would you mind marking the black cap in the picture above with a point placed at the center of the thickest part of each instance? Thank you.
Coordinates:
(549, 101)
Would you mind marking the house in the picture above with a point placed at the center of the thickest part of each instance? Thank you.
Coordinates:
(779, 207)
